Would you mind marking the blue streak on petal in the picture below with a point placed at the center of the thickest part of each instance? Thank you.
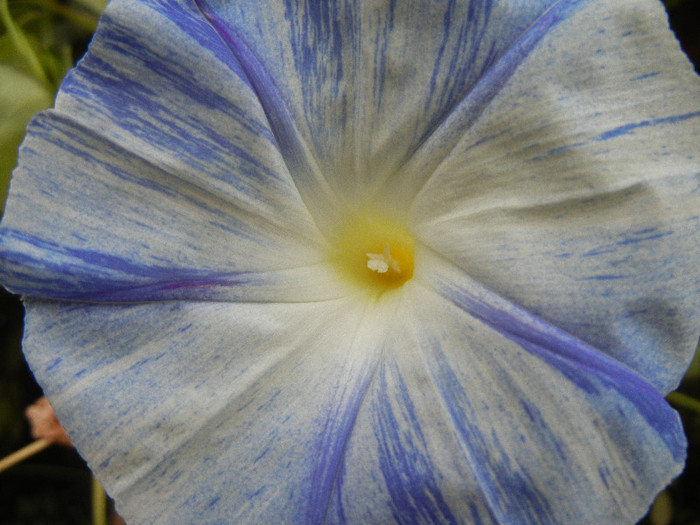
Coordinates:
(557, 151)
(114, 279)
(645, 76)
(606, 277)
(330, 449)
(598, 251)
(319, 24)
(535, 415)
(189, 20)
(646, 235)
(399, 463)
(470, 34)
(570, 355)
(296, 154)
(629, 128)
(488, 471)
(496, 72)
(381, 54)
(125, 99)
(70, 136)
(174, 185)
(446, 131)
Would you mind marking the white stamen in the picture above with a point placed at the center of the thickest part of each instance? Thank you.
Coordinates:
(381, 262)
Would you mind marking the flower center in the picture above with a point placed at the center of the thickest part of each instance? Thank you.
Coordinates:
(375, 252)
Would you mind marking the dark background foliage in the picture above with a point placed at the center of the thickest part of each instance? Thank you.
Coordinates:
(53, 487)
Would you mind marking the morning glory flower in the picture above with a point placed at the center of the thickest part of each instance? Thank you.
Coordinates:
(366, 261)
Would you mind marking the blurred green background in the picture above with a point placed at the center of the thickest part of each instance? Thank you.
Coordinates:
(39, 41)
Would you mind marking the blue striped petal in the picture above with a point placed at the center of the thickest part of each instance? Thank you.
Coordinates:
(440, 405)
(576, 192)
(157, 177)
(208, 412)
(477, 415)
(386, 74)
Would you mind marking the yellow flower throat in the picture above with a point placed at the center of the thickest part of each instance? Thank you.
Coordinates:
(374, 252)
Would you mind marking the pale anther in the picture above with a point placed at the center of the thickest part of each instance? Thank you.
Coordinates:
(381, 262)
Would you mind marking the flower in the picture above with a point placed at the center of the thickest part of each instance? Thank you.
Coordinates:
(366, 261)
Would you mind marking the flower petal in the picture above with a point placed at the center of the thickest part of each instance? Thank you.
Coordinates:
(87, 220)
(420, 408)
(365, 83)
(206, 412)
(576, 194)
(146, 183)
(481, 414)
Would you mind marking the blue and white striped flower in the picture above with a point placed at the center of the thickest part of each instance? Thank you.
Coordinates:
(367, 261)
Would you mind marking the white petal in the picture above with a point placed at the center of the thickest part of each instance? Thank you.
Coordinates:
(416, 407)
(363, 84)
(87, 220)
(205, 412)
(469, 421)
(576, 192)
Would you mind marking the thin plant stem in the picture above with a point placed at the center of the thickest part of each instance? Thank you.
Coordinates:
(85, 20)
(21, 44)
(684, 401)
(99, 504)
(24, 453)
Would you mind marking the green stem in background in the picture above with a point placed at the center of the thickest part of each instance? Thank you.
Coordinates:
(99, 504)
(22, 45)
(682, 400)
(84, 20)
